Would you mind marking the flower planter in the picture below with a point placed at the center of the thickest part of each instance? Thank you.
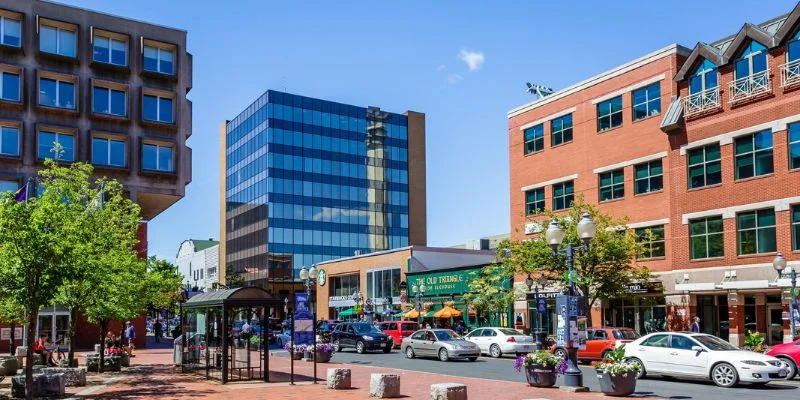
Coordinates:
(308, 355)
(540, 375)
(297, 356)
(617, 385)
(323, 356)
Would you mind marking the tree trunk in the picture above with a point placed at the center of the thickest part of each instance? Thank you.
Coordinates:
(103, 328)
(73, 317)
(11, 346)
(33, 316)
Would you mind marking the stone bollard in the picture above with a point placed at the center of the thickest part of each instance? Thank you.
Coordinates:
(449, 391)
(72, 376)
(8, 366)
(21, 351)
(44, 385)
(124, 360)
(384, 386)
(338, 378)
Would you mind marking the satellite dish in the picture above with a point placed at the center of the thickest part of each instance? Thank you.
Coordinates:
(538, 90)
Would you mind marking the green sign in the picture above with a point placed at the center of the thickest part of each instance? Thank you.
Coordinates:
(445, 282)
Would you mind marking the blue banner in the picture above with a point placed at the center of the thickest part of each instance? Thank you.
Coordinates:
(303, 320)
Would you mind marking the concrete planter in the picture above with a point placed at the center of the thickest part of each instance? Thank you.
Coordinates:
(540, 375)
(617, 385)
(323, 356)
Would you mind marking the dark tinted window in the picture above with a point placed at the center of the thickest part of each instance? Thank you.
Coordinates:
(624, 334)
(656, 341)
(600, 335)
(681, 342)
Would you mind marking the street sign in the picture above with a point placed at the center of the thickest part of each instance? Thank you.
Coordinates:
(303, 320)
(541, 306)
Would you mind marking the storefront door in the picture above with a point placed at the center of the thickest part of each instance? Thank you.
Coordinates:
(774, 325)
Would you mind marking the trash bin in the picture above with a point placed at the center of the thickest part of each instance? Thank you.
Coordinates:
(177, 351)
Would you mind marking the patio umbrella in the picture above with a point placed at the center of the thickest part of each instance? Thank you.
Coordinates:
(412, 314)
(447, 312)
(429, 314)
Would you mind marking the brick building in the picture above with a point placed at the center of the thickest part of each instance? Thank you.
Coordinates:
(111, 91)
(700, 146)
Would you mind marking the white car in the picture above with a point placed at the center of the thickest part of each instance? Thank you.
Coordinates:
(282, 338)
(702, 356)
(499, 341)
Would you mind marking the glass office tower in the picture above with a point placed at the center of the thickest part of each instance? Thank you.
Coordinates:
(309, 180)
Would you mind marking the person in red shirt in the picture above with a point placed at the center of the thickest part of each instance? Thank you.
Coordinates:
(39, 348)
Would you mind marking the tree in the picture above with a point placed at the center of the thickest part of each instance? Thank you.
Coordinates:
(490, 290)
(233, 278)
(36, 236)
(604, 272)
(13, 314)
(163, 285)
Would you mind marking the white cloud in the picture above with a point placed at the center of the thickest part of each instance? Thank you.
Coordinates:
(454, 78)
(441, 67)
(473, 59)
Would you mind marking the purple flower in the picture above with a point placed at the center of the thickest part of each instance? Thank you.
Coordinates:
(518, 363)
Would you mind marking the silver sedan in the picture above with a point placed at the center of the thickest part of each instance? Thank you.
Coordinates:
(441, 343)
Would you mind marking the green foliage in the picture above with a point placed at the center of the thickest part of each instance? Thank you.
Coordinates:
(233, 278)
(753, 341)
(163, 284)
(615, 363)
(490, 289)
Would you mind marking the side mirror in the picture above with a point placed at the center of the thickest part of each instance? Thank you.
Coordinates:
(697, 349)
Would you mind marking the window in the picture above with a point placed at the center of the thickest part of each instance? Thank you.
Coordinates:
(47, 145)
(157, 158)
(110, 49)
(561, 130)
(652, 239)
(57, 93)
(704, 166)
(57, 40)
(794, 145)
(706, 237)
(612, 185)
(563, 195)
(646, 101)
(534, 201)
(9, 141)
(754, 155)
(10, 86)
(534, 139)
(656, 341)
(609, 114)
(793, 48)
(9, 186)
(157, 59)
(157, 108)
(681, 342)
(756, 231)
(10, 31)
(704, 78)
(109, 101)
(752, 61)
(648, 177)
(600, 335)
(796, 227)
(108, 152)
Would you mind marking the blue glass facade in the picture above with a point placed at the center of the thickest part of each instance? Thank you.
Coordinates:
(309, 180)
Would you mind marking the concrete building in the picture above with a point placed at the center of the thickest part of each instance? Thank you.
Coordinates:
(309, 180)
(700, 146)
(110, 91)
(484, 243)
(198, 262)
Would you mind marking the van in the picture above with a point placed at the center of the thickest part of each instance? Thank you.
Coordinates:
(398, 330)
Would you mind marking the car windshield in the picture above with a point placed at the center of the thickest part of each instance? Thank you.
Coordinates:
(624, 334)
(714, 343)
(446, 335)
(509, 332)
(365, 328)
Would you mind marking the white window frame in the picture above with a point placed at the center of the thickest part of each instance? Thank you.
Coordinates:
(108, 152)
(158, 59)
(58, 90)
(19, 137)
(158, 108)
(158, 159)
(57, 136)
(19, 87)
(110, 41)
(108, 101)
(3, 20)
(58, 41)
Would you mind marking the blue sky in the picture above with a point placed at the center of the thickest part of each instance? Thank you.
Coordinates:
(464, 64)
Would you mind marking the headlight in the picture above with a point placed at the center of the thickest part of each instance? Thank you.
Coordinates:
(368, 338)
(459, 347)
(752, 362)
(777, 363)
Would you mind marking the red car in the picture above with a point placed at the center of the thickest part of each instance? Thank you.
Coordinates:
(600, 342)
(788, 353)
(398, 330)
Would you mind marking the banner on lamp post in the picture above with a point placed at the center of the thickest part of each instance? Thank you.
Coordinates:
(303, 320)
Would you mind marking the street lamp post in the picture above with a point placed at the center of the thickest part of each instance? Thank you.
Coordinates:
(537, 333)
(779, 263)
(555, 236)
(419, 291)
(309, 277)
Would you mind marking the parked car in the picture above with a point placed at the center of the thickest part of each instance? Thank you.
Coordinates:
(702, 356)
(788, 353)
(444, 344)
(361, 336)
(499, 341)
(398, 330)
(600, 342)
(282, 338)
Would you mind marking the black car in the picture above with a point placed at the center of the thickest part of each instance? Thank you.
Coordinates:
(361, 336)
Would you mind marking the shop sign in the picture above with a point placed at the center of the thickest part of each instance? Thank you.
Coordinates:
(5, 333)
(322, 277)
(341, 301)
(445, 282)
(647, 287)
(541, 295)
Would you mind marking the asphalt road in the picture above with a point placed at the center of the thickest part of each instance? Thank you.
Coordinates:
(503, 369)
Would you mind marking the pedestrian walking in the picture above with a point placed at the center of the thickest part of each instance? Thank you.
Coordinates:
(158, 330)
(695, 327)
(130, 335)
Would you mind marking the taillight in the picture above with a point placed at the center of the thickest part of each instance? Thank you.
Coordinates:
(511, 339)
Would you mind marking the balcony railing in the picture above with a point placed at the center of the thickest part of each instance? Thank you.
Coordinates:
(701, 101)
(790, 73)
(750, 86)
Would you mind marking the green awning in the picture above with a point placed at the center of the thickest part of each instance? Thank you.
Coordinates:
(429, 314)
(347, 313)
(398, 315)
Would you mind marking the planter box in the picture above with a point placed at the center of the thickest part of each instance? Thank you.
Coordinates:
(617, 385)
(297, 356)
(323, 357)
(540, 375)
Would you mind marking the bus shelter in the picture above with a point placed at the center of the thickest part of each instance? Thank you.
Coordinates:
(225, 334)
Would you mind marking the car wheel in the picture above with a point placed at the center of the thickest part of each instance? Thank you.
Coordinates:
(360, 347)
(336, 346)
(792, 367)
(473, 358)
(724, 375)
(279, 342)
(443, 356)
(494, 351)
(642, 373)
(560, 353)
(387, 349)
(605, 354)
(409, 352)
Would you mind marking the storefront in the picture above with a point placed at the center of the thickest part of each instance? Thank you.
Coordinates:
(643, 310)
